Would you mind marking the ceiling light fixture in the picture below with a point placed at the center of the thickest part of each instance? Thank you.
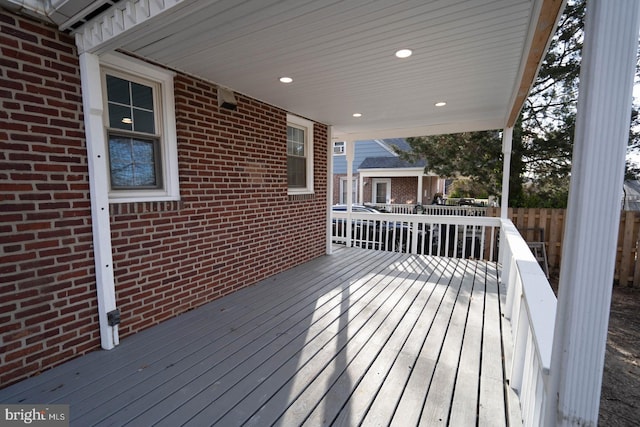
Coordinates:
(357, 114)
(440, 104)
(404, 53)
(286, 80)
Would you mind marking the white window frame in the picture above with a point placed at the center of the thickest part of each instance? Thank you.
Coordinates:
(354, 190)
(374, 189)
(307, 126)
(160, 79)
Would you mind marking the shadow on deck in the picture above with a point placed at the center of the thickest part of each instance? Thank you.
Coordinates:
(355, 338)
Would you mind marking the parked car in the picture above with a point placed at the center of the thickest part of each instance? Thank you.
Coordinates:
(368, 233)
(380, 234)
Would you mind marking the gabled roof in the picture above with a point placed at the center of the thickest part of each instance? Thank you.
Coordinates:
(480, 56)
(364, 149)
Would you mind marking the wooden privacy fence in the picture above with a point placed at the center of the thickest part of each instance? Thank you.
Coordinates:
(538, 224)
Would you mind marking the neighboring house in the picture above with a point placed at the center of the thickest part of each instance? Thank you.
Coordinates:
(631, 195)
(380, 176)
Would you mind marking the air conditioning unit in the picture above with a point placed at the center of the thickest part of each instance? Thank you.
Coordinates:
(338, 148)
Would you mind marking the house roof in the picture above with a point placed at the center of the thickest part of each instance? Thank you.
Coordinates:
(390, 163)
(479, 56)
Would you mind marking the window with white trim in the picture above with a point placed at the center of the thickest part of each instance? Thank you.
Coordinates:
(344, 188)
(299, 155)
(139, 122)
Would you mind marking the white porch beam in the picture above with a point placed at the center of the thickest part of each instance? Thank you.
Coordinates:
(588, 256)
(507, 143)
(99, 192)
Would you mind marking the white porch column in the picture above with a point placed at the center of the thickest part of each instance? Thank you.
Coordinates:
(589, 250)
(507, 142)
(330, 189)
(98, 179)
(349, 153)
(420, 190)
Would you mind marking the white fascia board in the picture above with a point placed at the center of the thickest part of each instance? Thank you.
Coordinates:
(386, 147)
(120, 22)
(395, 172)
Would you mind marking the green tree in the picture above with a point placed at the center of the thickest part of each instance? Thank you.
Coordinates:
(543, 134)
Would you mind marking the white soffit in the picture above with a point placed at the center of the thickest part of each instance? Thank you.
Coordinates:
(340, 54)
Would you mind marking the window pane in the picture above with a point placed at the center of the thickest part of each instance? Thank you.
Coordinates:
(145, 174)
(142, 96)
(130, 105)
(132, 162)
(119, 117)
(120, 162)
(295, 141)
(296, 172)
(143, 121)
(118, 90)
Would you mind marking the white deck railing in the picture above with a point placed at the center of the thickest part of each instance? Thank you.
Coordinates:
(446, 235)
(530, 302)
(531, 308)
(431, 209)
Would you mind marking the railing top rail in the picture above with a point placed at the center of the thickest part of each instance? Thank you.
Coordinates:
(436, 219)
(540, 301)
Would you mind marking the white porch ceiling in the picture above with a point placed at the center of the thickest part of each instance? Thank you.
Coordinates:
(472, 54)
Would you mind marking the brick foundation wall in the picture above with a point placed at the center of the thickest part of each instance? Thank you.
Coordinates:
(234, 225)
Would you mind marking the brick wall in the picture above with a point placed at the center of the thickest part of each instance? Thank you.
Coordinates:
(47, 287)
(234, 225)
(404, 190)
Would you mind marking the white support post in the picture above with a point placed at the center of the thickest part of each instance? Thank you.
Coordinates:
(98, 179)
(330, 189)
(349, 152)
(420, 186)
(589, 250)
(507, 142)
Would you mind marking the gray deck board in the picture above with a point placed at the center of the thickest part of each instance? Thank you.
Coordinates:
(464, 407)
(492, 380)
(356, 338)
(437, 406)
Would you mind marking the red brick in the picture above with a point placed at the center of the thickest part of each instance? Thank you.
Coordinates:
(195, 250)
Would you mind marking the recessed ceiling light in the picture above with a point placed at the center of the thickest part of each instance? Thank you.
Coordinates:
(286, 80)
(357, 114)
(440, 104)
(404, 53)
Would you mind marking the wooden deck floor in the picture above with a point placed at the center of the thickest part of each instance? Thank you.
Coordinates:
(356, 338)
